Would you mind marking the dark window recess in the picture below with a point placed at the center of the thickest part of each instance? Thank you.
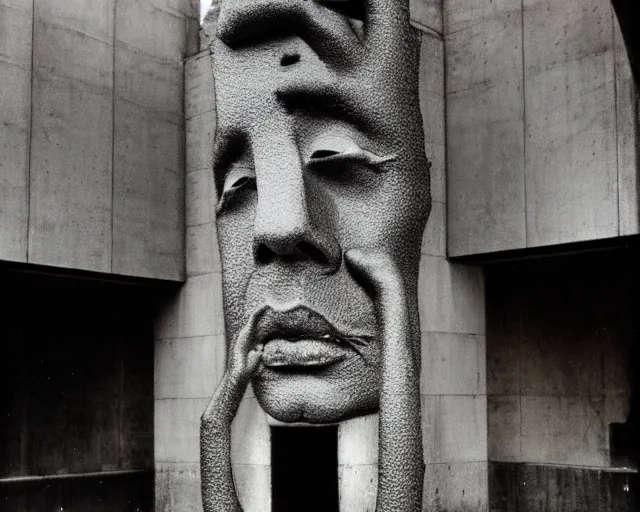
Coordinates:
(76, 394)
(623, 444)
(304, 469)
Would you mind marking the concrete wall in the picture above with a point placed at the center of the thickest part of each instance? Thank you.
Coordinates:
(190, 343)
(561, 336)
(92, 150)
(452, 318)
(541, 125)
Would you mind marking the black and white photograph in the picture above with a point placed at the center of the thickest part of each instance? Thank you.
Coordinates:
(319, 256)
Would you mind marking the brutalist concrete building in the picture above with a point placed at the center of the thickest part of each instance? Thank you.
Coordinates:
(112, 308)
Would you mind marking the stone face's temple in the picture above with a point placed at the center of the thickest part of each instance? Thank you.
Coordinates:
(319, 255)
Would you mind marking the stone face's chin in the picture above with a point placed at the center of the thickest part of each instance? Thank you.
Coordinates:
(314, 396)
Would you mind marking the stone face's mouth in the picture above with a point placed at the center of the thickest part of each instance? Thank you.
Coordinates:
(304, 353)
(301, 337)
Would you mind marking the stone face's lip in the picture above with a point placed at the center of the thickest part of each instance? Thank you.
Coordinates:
(298, 322)
(306, 353)
(300, 336)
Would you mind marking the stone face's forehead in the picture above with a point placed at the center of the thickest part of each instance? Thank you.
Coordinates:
(279, 59)
(251, 22)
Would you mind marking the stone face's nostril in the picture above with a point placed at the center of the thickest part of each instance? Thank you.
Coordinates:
(264, 254)
(289, 59)
(312, 252)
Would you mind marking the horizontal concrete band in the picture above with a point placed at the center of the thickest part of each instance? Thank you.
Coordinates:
(89, 492)
(521, 486)
(103, 474)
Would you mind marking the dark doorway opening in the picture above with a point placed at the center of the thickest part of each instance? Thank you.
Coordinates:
(304, 466)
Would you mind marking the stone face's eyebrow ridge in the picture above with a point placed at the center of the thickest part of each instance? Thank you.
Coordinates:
(327, 101)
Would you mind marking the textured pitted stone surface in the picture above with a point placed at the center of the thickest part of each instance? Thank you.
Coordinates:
(297, 185)
(319, 150)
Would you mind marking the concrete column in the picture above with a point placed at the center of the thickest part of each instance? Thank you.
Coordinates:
(453, 375)
(190, 346)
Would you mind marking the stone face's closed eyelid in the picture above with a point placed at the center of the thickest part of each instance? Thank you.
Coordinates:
(336, 149)
(239, 177)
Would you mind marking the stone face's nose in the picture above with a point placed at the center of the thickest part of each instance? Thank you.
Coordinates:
(290, 223)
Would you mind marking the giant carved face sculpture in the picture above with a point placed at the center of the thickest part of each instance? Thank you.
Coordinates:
(319, 149)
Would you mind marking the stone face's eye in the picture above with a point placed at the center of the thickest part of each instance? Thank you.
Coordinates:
(337, 150)
(238, 179)
(340, 161)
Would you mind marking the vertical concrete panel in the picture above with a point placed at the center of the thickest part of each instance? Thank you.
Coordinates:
(148, 222)
(154, 27)
(358, 463)
(250, 435)
(432, 107)
(200, 135)
(485, 142)
(451, 302)
(571, 161)
(202, 250)
(190, 341)
(177, 429)
(434, 240)
(148, 217)
(427, 14)
(458, 486)
(71, 149)
(186, 8)
(450, 297)
(627, 131)
(358, 487)
(199, 86)
(178, 487)
(195, 311)
(16, 20)
(504, 422)
(454, 428)
(200, 198)
(564, 430)
(254, 487)
(189, 367)
(444, 354)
